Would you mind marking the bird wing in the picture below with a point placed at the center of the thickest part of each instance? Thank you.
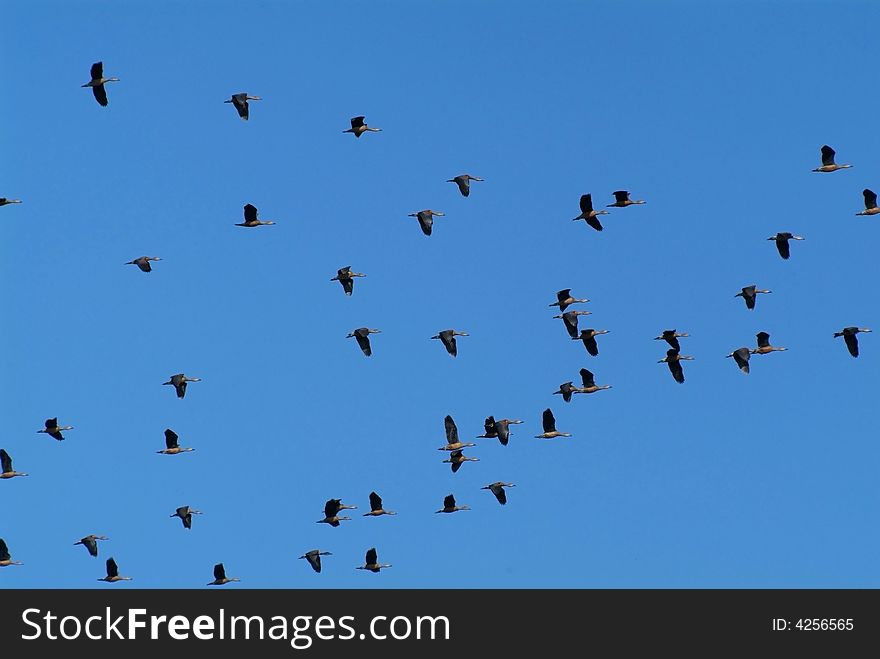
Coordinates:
(587, 378)
(741, 357)
(4, 551)
(5, 461)
(347, 285)
(357, 122)
(870, 199)
(112, 568)
(364, 342)
(464, 185)
(241, 104)
(621, 196)
(450, 343)
(51, 423)
(763, 339)
(372, 557)
(170, 438)
(250, 213)
(852, 344)
(97, 70)
(503, 431)
(426, 221)
(451, 430)
(676, 370)
(783, 247)
(595, 223)
(586, 204)
(375, 501)
(100, 94)
(499, 493)
(314, 560)
(331, 508)
(827, 155)
(489, 427)
(219, 572)
(144, 265)
(449, 501)
(591, 346)
(92, 545)
(548, 420)
(563, 295)
(570, 319)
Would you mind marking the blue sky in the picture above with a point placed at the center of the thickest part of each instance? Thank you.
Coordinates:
(712, 112)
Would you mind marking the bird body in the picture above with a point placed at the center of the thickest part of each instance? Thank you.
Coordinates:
(850, 338)
(673, 360)
(143, 262)
(90, 542)
(426, 219)
(6, 466)
(250, 218)
(671, 337)
(457, 458)
(497, 488)
(314, 558)
(54, 430)
(362, 336)
(346, 277)
(463, 183)
(588, 336)
(589, 214)
(97, 83)
(171, 444)
(447, 337)
(240, 101)
(782, 245)
(185, 514)
(828, 164)
(179, 381)
(358, 127)
(749, 294)
(501, 429)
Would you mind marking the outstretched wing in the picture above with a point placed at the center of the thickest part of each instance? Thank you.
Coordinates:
(827, 155)
(375, 501)
(100, 94)
(170, 439)
(372, 556)
(852, 344)
(112, 569)
(357, 122)
(97, 70)
(219, 572)
(451, 430)
(549, 421)
(870, 199)
(250, 213)
(587, 378)
(5, 461)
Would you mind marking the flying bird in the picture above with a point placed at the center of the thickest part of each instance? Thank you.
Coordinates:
(457, 458)
(53, 429)
(240, 101)
(764, 346)
(671, 337)
(171, 445)
(750, 294)
(870, 203)
(185, 514)
(564, 299)
(346, 277)
(570, 320)
(5, 202)
(358, 127)
(588, 336)
(447, 337)
(426, 219)
(588, 214)
(97, 83)
(589, 383)
(90, 542)
(828, 164)
(314, 558)
(371, 562)
(6, 465)
(179, 381)
(850, 338)
(499, 429)
(362, 336)
(782, 245)
(497, 489)
(463, 183)
(741, 357)
(220, 577)
(567, 389)
(549, 423)
(376, 508)
(250, 217)
(143, 262)
(449, 505)
(113, 573)
(5, 557)
(452, 441)
(673, 360)
(331, 512)
(622, 200)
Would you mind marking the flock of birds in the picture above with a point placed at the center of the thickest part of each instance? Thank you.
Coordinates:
(493, 428)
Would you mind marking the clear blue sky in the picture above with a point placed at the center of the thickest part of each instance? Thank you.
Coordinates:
(712, 112)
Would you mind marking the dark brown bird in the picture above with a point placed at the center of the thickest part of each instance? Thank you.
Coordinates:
(97, 83)
(549, 422)
(588, 214)
(185, 514)
(179, 381)
(113, 573)
(447, 337)
(5, 202)
(671, 337)
(362, 336)
(376, 508)
(457, 458)
(750, 293)
(567, 389)
(622, 200)
(314, 558)
(240, 101)
(588, 336)
(463, 183)
(346, 277)
(570, 320)
(870, 203)
(673, 360)
(220, 577)
(358, 127)
(589, 383)
(250, 217)
(171, 445)
(741, 357)
(449, 505)
(564, 299)
(54, 430)
(143, 262)
(497, 489)
(782, 245)
(371, 562)
(499, 429)
(850, 338)
(90, 542)
(6, 466)
(5, 557)
(331, 512)
(426, 219)
(452, 441)
(764, 346)
(828, 164)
